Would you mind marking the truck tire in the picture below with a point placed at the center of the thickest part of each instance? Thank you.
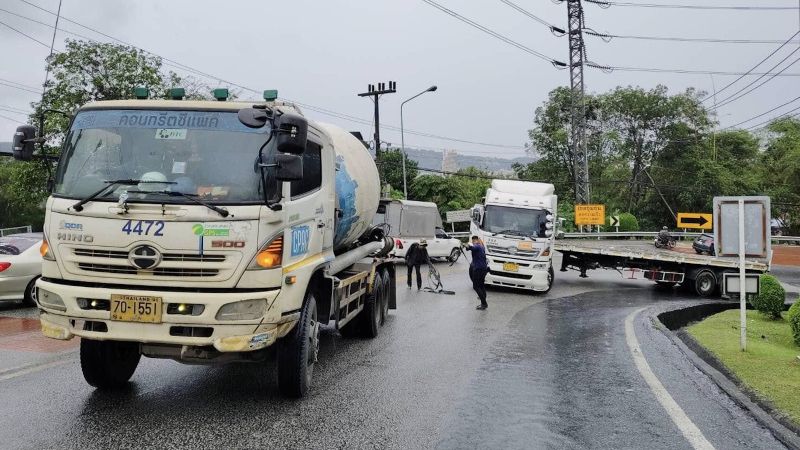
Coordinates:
(705, 283)
(108, 364)
(371, 319)
(30, 293)
(385, 297)
(298, 351)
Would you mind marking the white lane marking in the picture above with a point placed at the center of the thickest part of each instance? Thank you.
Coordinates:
(33, 368)
(682, 421)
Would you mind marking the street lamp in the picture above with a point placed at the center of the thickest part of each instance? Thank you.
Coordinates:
(403, 140)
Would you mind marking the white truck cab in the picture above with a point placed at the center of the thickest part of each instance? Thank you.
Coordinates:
(516, 224)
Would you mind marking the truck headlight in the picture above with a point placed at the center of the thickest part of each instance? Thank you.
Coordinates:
(50, 300)
(244, 310)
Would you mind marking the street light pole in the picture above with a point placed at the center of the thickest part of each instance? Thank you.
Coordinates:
(403, 140)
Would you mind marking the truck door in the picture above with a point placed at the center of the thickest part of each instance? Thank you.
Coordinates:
(308, 207)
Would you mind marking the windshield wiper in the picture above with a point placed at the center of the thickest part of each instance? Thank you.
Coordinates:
(511, 232)
(110, 184)
(192, 197)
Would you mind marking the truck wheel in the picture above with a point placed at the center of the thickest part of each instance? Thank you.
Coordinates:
(385, 297)
(454, 254)
(705, 283)
(108, 364)
(372, 310)
(551, 277)
(30, 293)
(298, 352)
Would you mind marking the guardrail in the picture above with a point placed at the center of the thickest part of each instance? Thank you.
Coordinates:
(795, 240)
(15, 230)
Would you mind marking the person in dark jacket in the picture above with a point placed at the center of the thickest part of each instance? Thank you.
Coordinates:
(478, 269)
(416, 256)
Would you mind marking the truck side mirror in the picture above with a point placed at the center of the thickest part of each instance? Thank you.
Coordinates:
(291, 133)
(289, 167)
(549, 217)
(23, 143)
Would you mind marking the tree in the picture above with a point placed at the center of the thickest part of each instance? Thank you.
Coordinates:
(780, 171)
(390, 164)
(451, 193)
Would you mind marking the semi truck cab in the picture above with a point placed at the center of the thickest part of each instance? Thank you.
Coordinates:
(516, 224)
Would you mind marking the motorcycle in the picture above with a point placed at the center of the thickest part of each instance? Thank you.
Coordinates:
(664, 242)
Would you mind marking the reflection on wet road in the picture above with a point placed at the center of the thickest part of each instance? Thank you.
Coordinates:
(550, 371)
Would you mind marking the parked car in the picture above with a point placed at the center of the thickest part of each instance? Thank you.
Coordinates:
(409, 221)
(704, 244)
(20, 266)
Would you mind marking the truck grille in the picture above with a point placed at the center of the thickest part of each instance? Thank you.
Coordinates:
(497, 250)
(174, 266)
(159, 271)
(112, 254)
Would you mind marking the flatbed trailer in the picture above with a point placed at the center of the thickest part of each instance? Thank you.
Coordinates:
(704, 274)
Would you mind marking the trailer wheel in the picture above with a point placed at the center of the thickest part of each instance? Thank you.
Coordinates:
(298, 352)
(108, 364)
(705, 283)
(372, 309)
(385, 297)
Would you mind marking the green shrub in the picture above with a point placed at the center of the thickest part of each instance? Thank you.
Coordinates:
(794, 321)
(627, 222)
(771, 298)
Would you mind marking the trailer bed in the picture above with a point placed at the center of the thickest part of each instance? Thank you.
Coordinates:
(646, 251)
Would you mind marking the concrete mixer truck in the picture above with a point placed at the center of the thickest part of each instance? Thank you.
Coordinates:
(208, 232)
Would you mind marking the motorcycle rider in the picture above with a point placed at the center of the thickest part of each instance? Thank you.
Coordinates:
(664, 237)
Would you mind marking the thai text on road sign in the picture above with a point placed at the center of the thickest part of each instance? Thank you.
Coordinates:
(590, 214)
(701, 221)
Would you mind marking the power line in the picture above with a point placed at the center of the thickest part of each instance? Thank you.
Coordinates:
(2, 83)
(606, 4)
(491, 32)
(22, 33)
(13, 112)
(608, 36)
(554, 29)
(754, 67)
(14, 109)
(198, 72)
(765, 113)
(741, 92)
(12, 120)
(610, 69)
(784, 116)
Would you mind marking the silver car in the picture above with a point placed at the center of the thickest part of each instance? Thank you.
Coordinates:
(20, 266)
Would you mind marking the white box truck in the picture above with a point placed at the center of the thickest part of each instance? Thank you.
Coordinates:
(409, 221)
(208, 232)
(516, 224)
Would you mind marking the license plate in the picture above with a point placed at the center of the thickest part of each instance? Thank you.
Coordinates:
(510, 267)
(135, 308)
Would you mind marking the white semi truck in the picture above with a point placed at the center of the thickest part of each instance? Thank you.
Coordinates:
(209, 232)
(516, 223)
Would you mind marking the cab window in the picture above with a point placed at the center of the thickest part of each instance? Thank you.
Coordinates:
(312, 171)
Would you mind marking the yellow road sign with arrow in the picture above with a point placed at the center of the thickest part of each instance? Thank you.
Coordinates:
(702, 221)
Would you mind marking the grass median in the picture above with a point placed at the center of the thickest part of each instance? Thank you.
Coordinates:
(770, 367)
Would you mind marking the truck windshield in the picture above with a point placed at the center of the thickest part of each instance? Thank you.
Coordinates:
(520, 221)
(208, 154)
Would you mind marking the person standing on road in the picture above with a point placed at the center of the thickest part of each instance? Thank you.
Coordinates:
(416, 256)
(478, 269)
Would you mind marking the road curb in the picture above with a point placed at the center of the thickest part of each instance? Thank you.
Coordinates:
(672, 323)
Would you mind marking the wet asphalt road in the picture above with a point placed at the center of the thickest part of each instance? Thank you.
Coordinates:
(547, 371)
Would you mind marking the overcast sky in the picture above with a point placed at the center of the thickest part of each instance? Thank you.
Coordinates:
(323, 53)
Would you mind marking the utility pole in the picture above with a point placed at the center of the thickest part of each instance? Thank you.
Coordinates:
(577, 57)
(375, 94)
